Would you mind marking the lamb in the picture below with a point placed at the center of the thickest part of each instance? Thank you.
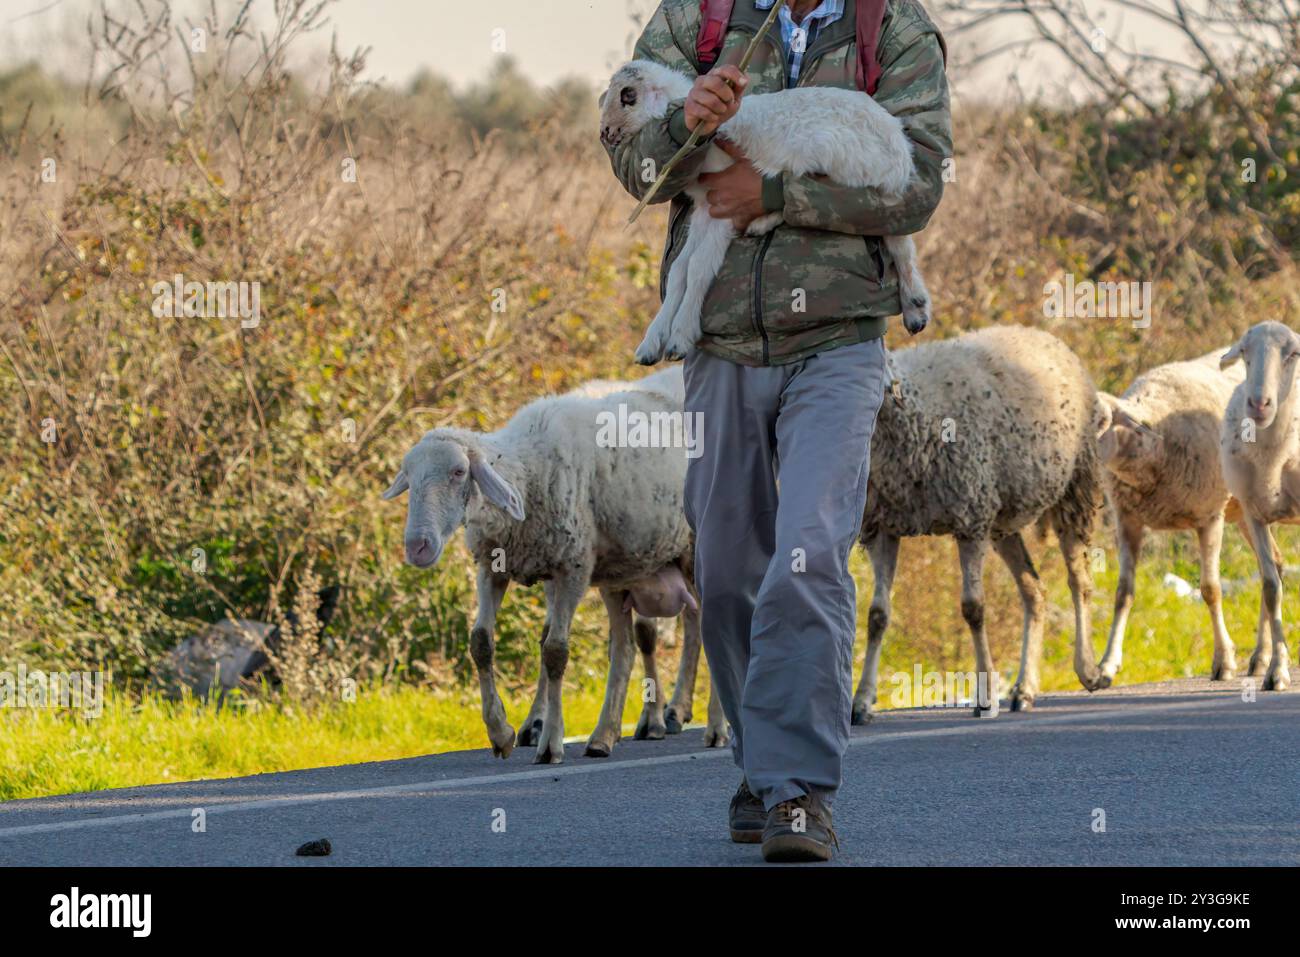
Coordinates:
(545, 499)
(1159, 448)
(842, 134)
(1259, 448)
(984, 436)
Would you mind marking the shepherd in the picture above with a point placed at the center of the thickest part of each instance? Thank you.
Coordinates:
(789, 373)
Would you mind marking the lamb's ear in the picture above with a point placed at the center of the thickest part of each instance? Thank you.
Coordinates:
(400, 485)
(600, 103)
(1232, 355)
(494, 488)
(1104, 413)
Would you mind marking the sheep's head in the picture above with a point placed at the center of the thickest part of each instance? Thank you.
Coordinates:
(638, 94)
(443, 473)
(1126, 444)
(1269, 350)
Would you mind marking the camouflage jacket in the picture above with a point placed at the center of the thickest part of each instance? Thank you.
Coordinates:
(823, 278)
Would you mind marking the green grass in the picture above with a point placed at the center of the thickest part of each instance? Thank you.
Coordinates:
(147, 741)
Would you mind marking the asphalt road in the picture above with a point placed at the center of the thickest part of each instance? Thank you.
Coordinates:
(1185, 773)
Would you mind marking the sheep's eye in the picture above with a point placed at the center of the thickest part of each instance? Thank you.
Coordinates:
(628, 96)
(459, 472)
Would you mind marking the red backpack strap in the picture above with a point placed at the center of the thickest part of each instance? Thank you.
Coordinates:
(871, 17)
(715, 15)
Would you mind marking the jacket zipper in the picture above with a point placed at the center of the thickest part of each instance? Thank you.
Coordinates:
(757, 309)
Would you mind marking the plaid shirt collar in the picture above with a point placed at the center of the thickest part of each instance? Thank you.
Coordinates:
(797, 38)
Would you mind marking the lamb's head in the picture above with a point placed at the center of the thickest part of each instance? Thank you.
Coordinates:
(1269, 350)
(1127, 445)
(443, 473)
(638, 94)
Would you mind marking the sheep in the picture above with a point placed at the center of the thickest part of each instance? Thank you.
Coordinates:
(1159, 449)
(842, 134)
(983, 436)
(1259, 449)
(547, 498)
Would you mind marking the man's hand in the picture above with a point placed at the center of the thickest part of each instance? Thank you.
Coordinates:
(712, 101)
(737, 192)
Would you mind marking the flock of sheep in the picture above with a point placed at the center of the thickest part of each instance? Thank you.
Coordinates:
(983, 437)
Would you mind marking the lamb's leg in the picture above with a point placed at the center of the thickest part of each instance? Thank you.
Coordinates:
(717, 734)
(713, 237)
(972, 552)
(650, 726)
(911, 284)
(1033, 605)
(651, 349)
(1262, 657)
(610, 726)
(1130, 534)
(1210, 539)
(1079, 575)
(491, 589)
(567, 591)
(1278, 677)
(681, 709)
(883, 551)
(531, 729)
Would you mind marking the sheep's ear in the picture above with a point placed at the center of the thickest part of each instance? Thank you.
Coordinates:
(1104, 414)
(1232, 355)
(400, 485)
(496, 489)
(600, 103)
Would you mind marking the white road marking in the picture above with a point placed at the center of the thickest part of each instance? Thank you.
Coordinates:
(976, 726)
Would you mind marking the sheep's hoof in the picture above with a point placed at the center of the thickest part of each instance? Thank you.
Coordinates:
(647, 354)
(503, 743)
(1224, 672)
(649, 729)
(1276, 680)
(862, 716)
(1091, 680)
(1258, 666)
(988, 712)
(1020, 701)
(1105, 680)
(597, 749)
(550, 754)
(530, 734)
(716, 738)
(672, 723)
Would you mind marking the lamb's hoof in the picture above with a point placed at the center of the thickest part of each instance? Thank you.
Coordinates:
(1021, 701)
(1276, 680)
(649, 353)
(916, 316)
(597, 749)
(1224, 672)
(862, 716)
(717, 738)
(529, 734)
(649, 729)
(677, 349)
(672, 723)
(503, 742)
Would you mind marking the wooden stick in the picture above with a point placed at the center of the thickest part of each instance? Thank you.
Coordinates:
(693, 140)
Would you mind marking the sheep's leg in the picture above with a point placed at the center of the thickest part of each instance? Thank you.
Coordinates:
(566, 593)
(883, 551)
(651, 349)
(621, 652)
(650, 726)
(1033, 604)
(682, 707)
(1079, 575)
(911, 285)
(717, 734)
(714, 237)
(1130, 534)
(531, 729)
(491, 590)
(1210, 538)
(1262, 657)
(1278, 677)
(972, 553)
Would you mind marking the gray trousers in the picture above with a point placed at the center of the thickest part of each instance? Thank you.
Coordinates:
(779, 605)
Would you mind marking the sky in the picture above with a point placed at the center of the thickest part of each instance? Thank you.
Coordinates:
(460, 40)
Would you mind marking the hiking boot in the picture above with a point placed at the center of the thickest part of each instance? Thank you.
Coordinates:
(747, 816)
(799, 830)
